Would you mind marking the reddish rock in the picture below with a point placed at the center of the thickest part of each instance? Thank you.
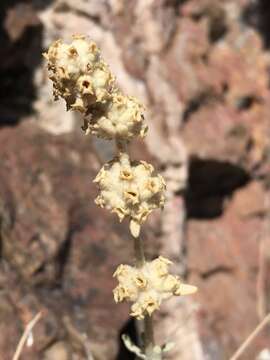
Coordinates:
(21, 37)
(223, 260)
(60, 250)
(18, 19)
(183, 63)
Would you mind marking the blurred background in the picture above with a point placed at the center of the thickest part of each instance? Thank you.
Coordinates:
(202, 69)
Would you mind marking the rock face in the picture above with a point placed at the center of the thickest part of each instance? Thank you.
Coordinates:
(54, 256)
(21, 36)
(202, 69)
(224, 259)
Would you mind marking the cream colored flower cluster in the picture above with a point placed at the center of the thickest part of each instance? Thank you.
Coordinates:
(148, 286)
(122, 117)
(78, 73)
(84, 80)
(130, 189)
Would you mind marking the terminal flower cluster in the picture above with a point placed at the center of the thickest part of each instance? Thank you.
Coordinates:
(85, 82)
(148, 286)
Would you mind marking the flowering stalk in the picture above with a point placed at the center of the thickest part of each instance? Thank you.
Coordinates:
(130, 189)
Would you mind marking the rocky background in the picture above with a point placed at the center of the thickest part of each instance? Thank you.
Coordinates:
(202, 69)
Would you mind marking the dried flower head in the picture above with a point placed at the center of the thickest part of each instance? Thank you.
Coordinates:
(121, 118)
(84, 80)
(148, 286)
(130, 189)
(79, 74)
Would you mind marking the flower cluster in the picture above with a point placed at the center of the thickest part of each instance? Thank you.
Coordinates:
(78, 73)
(121, 118)
(148, 286)
(84, 80)
(130, 189)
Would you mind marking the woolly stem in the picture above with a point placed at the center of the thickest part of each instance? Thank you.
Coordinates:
(121, 146)
(139, 252)
(148, 331)
(149, 342)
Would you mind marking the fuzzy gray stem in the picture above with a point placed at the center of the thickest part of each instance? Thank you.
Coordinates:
(121, 146)
(139, 252)
(148, 332)
(148, 337)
